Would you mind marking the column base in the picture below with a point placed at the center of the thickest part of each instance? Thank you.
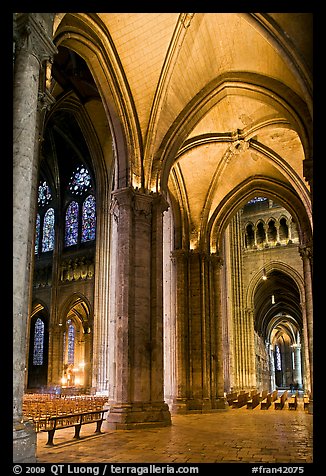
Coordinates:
(179, 406)
(138, 415)
(221, 403)
(311, 407)
(198, 405)
(24, 443)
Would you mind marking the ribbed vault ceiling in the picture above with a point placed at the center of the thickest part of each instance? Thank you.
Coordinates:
(241, 81)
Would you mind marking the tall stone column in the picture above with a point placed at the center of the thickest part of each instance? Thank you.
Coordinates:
(103, 380)
(297, 365)
(217, 263)
(306, 255)
(33, 46)
(180, 260)
(138, 312)
(242, 317)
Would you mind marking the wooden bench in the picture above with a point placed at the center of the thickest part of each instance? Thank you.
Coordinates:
(241, 400)
(53, 423)
(268, 400)
(280, 402)
(293, 402)
(306, 401)
(230, 397)
(254, 401)
(264, 394)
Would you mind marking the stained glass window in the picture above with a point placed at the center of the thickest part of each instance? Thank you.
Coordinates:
(257, 199)
(80, 181)
(37, 232)
(88, 219)
(48, 231)
(44, 194)
(71, 344)
(38, 342)
(278, 358)
(71, 226)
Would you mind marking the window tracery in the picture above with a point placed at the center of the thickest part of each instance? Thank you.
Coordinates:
(80, 219)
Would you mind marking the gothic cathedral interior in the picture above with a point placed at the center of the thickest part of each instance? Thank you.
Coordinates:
(162, 210)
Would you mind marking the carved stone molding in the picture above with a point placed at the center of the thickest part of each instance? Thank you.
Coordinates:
(31, 36)
(306, 251)
(216, 260)
(75, 269)
(142, 205)
(179, 255)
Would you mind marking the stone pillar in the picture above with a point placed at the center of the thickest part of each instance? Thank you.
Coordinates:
(277, 226)
(138, 312)
(217, 264)
(271, 365)
(306, 255)
(180, 260)
(33, 46)
(297, 365)
(242, 318)
(103, 375)
(199, 338)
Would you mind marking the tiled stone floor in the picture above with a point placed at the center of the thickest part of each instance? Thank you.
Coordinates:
(226, 436)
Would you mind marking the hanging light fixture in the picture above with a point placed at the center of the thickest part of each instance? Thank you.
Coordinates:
(264, 274)
(273, 299)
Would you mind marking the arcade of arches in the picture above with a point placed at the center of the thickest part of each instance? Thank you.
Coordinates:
(162, 210)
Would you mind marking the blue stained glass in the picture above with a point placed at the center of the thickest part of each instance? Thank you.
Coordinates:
(80, 181)
(71, 226)
(48, 231)
(71, 344)
(44, 194)
(37, 232)
(257, 199)
(88, 219)
(38, 342)
(278, 358)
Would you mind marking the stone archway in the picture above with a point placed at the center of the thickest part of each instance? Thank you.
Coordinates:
(75, 340)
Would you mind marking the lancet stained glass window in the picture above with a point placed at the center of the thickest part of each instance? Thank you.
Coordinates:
(38, 342)
(88, 219)
(48, 231)
(71, 225)
(278, 358)
(37, 232)
(71, 344)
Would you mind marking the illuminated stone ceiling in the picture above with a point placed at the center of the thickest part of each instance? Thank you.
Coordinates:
(207, 100)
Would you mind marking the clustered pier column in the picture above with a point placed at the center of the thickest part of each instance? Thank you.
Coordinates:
(199, 376)
(139, 400)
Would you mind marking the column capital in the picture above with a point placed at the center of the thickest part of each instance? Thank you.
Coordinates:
(216, 260)
(308, 170)
(142, 203)
(33, 33)
(305, 251)
(179, 255)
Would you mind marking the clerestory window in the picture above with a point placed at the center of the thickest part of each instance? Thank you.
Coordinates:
(80, 217)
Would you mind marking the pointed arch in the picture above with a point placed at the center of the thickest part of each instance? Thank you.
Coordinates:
(258, 186)
(87, 36)
(293, 113)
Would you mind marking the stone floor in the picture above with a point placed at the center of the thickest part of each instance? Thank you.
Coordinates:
(226, 436)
